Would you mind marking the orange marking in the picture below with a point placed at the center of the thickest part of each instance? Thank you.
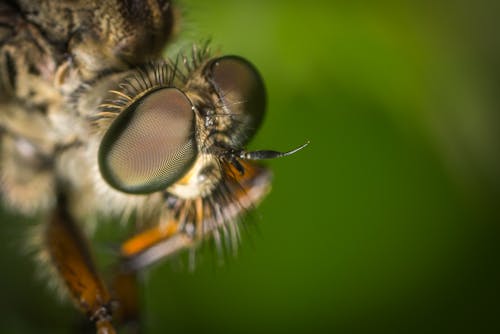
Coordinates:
(199, 215)
(146, 239)
(243, 184)
(187, 177)
(251, 169)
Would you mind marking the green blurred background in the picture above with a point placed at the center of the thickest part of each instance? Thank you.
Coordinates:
(387, 223)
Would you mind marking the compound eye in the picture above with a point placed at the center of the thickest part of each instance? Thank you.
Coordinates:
(151, 144)
(241, 90)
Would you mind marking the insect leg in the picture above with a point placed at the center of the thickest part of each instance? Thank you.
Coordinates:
(199, 218)
(154, 244)
(69, 252)
(125, 290)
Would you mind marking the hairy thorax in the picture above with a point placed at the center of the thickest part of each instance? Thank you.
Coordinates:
(56, 60)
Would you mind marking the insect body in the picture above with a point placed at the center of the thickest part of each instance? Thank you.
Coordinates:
(95, 122)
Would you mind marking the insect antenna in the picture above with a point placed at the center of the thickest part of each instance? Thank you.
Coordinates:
(267, 154)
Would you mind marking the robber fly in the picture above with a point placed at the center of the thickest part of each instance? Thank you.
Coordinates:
(95, 123)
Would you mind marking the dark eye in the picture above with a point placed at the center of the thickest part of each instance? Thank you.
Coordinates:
(151, 144)
(242, 92)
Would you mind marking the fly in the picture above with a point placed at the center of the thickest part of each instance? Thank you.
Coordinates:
(95, 122)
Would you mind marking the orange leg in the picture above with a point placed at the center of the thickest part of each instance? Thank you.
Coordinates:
(153, 244)
(192, 220)
(69, 253)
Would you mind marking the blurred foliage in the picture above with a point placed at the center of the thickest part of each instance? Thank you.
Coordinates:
(388, 222)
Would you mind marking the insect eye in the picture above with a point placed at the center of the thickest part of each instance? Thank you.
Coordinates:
(242, 92)
(151, 144)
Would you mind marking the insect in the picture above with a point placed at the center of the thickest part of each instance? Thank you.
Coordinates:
(94, 122)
